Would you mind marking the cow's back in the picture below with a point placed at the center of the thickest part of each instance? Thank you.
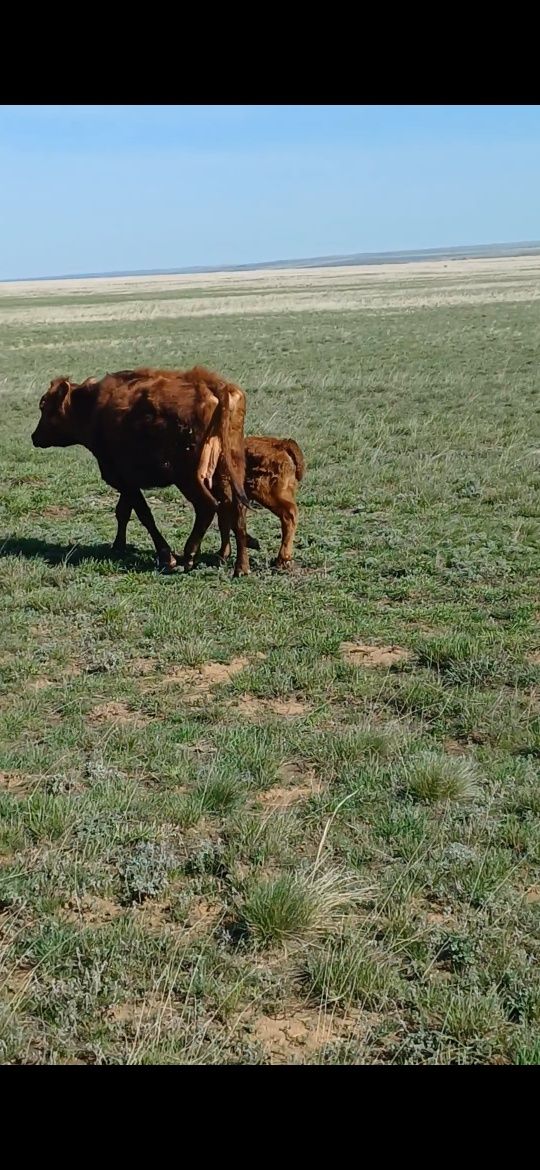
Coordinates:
(167, 394)
(150, 423)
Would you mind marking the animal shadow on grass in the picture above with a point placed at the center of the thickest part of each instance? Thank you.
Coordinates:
(74, 554)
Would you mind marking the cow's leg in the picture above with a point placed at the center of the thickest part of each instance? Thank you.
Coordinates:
(287, 510)
(124, 509)
(166, 558)
(204, 514)
(237, 515)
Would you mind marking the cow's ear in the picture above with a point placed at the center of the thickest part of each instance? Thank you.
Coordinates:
(83, 398)
(60, 387)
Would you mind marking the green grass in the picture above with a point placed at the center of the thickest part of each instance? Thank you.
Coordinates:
(310, 839)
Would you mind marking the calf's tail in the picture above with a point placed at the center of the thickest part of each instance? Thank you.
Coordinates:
(297, 457)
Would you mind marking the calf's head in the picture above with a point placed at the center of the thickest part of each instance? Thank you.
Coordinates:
(60, 422)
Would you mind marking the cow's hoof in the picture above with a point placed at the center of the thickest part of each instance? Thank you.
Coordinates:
(238, 572)
(252, 542)
(168, 566)
(118, 551)
(188, 566)
(280, 566)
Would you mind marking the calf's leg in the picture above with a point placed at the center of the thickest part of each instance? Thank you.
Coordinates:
(232, 514)
(287, 510)
(224, 521)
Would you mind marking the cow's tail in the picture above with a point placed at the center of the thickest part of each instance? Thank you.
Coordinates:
(217, 442)
(297, 457)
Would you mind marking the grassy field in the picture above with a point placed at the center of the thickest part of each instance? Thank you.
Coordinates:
(289, 818)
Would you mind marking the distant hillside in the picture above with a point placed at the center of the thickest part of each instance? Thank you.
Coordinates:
(468, 252)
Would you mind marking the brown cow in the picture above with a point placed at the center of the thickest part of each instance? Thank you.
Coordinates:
(152, 428)
(274, 468)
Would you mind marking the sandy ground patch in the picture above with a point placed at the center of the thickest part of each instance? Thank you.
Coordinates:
(359, 654)
(296, 783)
(198, 682)
(17, 783)
(251, 707)
(116, 712)
(91, 910)
(289, 1038)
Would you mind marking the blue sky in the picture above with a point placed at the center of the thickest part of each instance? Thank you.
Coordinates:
(102, 188)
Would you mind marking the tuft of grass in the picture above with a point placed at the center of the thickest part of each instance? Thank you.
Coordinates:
(527, 1049)
(465, 1015)
(298, 905)
(458, 657)
(350, 972)
(43, 816)
(218, 794)
(432, 777)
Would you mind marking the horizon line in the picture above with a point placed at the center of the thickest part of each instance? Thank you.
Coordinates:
(347, 259)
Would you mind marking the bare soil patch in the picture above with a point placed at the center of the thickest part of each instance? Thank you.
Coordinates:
(18, 981)
(198, 682)
(251, 707)
(17, 783)
(286, 1039)
(39, 684)
(360, 654)
(201, 679)
(140, 666)
(296, 784)
(278, 797)
(57, 512)
(92, 910)
(116, 712)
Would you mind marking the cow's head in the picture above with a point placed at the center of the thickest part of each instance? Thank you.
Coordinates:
(60, 422)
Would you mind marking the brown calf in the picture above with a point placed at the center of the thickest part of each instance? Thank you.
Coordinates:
(152, 428)
(274, 468)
